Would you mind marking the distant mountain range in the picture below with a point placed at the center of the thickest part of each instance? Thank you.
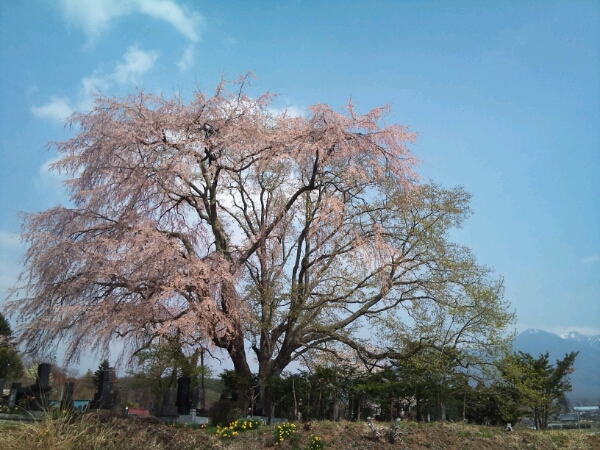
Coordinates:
(586, 378)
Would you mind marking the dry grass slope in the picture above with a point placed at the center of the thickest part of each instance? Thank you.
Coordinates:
(108, 432)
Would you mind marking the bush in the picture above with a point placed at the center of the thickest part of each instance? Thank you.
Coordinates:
(225, 412)
(238, 426)
(316, 443)
(283, 431)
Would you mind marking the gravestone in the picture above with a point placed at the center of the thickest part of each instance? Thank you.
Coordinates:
(184, 397)
(41, 388)
(12, 396)
(169, 409)
(116, 399)
(43, 379)
(103, 398)
(66, 402)
(1, 388)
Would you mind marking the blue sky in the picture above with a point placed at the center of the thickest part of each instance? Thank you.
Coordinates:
(505, 97)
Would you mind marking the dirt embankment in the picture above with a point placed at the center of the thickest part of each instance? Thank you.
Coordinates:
(119, 433)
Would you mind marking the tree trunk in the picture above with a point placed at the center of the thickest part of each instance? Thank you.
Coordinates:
(295, 402)
(203, 404)
(237, 353)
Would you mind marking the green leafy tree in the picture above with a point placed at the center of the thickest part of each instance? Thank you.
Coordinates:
(162, 363)
(5, 329)
(11, 366)
(536, 383)
(426, 381)
(492, 403)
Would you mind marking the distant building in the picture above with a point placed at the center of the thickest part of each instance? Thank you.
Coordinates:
(567, 418)
(586, 410)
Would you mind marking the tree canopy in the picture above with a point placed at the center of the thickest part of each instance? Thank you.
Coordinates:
(11, 365)
(536, 384)
(222, 220)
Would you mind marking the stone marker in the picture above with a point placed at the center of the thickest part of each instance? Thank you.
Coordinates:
(66, 402)
(12, 398)
(184, 400)
(169, 409)
(43, 379)
(116, 400)
(103, 398)
(41, 388)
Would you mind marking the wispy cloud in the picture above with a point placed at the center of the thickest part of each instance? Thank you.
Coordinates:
(11, 254)
(583, 329)
(187, 59)
(591, 259)
(46, 169)
(9, 239)
(290, 111)
(185, 21)
(56, 109)
(136, 62)
(94, 17)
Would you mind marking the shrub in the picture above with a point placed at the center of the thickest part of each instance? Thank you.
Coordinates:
(316, 443)
(246, 424)
(283, 431)
(226, 411)
(238, 426)
(226, 432)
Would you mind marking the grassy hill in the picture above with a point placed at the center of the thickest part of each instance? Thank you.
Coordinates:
(119, 433)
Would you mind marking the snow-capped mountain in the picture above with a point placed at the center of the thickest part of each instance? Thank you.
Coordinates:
(575, 336)
(586, 378)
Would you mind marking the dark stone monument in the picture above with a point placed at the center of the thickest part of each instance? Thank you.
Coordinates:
(66, 403)
(12, 396)
(41, 388)
(43, 379)
(1, 388)
(184, 395)
(103, 398)
(116, 399)
(169, 409)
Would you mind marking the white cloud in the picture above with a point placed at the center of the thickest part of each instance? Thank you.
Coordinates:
(137, 62)
(11, 255)
(51, 183)
(584, 329)
(187, 59)
(290, 111)
(88, 87)
(185, 21)
(92, 84)
(46, 171)
(9, 239)
(94, 17)
(591, 259)
(56, 109)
